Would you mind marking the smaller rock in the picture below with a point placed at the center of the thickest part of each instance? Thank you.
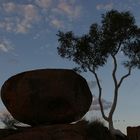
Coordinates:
(133, 133)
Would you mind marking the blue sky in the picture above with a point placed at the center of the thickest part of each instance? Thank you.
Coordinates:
(28, 41)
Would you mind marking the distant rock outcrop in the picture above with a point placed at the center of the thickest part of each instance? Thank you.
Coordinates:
(48, 96)
(133, 133)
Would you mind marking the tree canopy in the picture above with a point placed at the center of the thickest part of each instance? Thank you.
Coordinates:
(117, 32)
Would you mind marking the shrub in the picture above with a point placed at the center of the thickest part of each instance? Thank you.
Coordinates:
(96, 130)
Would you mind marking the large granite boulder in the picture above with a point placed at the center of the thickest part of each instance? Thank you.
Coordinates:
(47, 96)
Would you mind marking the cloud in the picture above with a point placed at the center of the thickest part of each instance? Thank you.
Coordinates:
(107, 6)
(18, 18)
(70, 9)
(30, 12)
(7, 24)
(30, 15)
(43, 3)
(95, 104)
(22, 17)
(9, 7)
(57, 23)
(5, 46)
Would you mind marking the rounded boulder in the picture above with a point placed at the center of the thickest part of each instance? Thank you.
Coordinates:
(47, 96)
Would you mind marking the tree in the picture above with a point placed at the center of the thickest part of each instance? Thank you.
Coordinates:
(117, 33)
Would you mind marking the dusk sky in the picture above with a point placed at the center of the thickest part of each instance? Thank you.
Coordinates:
(28, 41)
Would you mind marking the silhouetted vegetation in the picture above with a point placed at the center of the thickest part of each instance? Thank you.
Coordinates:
(96, 130)
(8, 121)
(116, 35)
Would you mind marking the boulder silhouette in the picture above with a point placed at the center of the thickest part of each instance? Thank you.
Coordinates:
(133, 133)
(47, 96)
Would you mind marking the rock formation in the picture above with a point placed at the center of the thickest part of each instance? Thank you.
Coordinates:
(48, 96)
(48, 100)
(133, 133)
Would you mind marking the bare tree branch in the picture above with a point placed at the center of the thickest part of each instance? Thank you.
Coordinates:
(119, 46)
(125, 76)
(114, 70)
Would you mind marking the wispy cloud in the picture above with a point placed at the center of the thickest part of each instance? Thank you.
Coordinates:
(22, 17)
(18, 17)
(72, 10)
(30, 15)
(9, 7)
(57, 23)
(43, 3)
(5, 46)
(7, 24)
(107, 6)
(95, 104)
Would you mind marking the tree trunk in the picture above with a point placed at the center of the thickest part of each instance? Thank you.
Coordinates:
(117, 84)
(111, 126)
(114, 131)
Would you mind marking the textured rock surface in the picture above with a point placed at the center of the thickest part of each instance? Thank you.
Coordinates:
(133, 133)
(79, 131)
(6, 132)
(46, 96)
(54, 132)
(118, 137)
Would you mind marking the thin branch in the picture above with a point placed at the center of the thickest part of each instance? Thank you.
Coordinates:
(119, 46)
(100, 93)
(114, 70)
(125, 76)
(117, 85)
